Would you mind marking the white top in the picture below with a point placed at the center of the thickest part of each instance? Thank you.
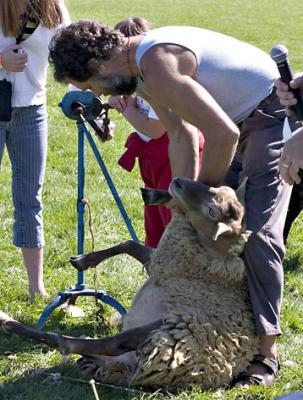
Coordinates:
(238, 75)
(29, 85)
(144, 107)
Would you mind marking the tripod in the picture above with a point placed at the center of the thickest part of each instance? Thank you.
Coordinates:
(81, 110)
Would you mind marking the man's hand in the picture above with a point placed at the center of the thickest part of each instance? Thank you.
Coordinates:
(14, 58)
(287, 98)
(292, 158)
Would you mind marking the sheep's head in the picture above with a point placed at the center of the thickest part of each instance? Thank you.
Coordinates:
(215, 213)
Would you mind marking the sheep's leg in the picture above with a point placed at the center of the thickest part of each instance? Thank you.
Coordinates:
(134, 249)
(112, 346)
(10, 325)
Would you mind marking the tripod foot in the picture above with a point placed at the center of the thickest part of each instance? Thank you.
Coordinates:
(63, 297)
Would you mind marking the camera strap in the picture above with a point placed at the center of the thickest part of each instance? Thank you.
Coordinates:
(29, 24)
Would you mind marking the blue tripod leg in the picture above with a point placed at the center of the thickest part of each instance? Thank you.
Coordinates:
(111, 186)
(57, 302)
(81, 288)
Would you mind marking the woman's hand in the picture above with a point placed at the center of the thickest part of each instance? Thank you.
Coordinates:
(14, 58)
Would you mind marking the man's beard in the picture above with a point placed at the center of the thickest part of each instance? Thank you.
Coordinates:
(118, 85)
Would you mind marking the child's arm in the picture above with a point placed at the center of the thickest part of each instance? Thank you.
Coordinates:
(150, 127)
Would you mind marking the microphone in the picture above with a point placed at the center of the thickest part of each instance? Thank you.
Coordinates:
(279, 54)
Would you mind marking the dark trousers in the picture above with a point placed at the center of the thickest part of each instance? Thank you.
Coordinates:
(294, 208)
(266, 202)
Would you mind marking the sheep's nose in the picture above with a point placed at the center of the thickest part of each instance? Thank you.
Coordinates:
(155, 196)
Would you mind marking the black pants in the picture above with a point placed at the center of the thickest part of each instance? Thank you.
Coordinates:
(294, 208)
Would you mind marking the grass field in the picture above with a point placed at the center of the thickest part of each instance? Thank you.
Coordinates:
(29, 371)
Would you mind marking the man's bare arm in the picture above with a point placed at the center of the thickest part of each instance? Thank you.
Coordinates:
(183, 147)
(170, 84)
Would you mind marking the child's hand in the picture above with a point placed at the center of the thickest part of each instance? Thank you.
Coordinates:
(117, 102)
(109, 134)
(111, 130)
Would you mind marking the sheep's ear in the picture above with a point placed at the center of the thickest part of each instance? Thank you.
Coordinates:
(240, 192)
(221, 228)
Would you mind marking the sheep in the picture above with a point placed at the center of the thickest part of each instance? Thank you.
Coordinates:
(191, 322)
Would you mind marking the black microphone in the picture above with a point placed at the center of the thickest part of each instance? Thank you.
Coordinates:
(279, 54)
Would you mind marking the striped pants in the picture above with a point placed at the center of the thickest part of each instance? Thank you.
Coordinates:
(25, 138)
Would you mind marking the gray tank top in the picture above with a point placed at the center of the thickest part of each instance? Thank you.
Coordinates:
(238, 75)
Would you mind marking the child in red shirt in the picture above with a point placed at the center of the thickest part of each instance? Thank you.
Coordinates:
(149, 143)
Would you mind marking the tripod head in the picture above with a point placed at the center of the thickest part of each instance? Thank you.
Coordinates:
(85, 106)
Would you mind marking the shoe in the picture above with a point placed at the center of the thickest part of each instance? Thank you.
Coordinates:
(268, 378)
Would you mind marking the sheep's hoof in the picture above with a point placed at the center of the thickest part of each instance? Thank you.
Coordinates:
(79, 262)
(85, 261)
(88, 365)
(4, 318)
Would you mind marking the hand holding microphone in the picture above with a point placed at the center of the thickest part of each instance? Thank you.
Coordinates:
(290, 95)
(288, 89)
(285, 94)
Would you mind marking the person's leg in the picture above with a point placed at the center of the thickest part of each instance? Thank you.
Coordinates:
(156, 174)
(2, 140)
(266, 201)
(294, 208)
(152, 225)
(27, 145)
(33, 260)
(233, 176)
(162, 178)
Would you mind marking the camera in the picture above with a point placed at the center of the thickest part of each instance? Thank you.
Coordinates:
(85, 106)
(77, 102)
(5, 100)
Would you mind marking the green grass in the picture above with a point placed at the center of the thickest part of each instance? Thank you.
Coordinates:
(29, 371)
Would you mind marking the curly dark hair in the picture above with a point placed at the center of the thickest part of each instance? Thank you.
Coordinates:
(75, 50)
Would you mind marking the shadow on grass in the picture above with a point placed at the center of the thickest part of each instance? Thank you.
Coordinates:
(293, 263)
(58, 383)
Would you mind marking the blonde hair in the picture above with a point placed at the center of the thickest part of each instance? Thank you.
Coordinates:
(133, 26)
(47, 12)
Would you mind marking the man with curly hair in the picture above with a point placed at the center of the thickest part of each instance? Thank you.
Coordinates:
(225, 88)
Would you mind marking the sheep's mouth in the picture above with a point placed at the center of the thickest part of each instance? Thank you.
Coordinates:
(174, 189)
(155, 196)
